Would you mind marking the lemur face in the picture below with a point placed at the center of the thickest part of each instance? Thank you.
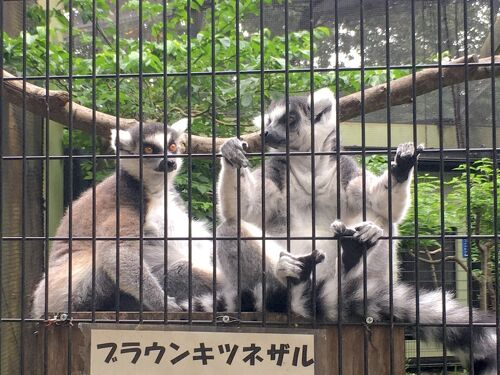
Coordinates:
(153, 147)
(298, 121)
(277, 122)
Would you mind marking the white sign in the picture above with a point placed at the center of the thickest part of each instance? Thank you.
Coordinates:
(191, 353)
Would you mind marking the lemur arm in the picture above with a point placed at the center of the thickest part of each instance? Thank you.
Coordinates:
(234, 159)
(227, 191)
(377, 187)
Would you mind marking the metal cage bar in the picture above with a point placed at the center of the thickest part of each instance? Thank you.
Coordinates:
(25, 237)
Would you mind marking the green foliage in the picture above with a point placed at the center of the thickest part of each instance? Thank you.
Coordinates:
(429, 214)
(201, 188)
(376, 164)
(165, 50)
(85, 144)
(474, 183)
(479, 185)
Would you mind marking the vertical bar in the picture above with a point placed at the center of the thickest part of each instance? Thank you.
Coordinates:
(47, 182)
(363, 171)
(23, 192)
(287, 110)
(263, 159)
(467, 171)
(141, 164)
(415, 183)
(313, 156)
(441, 181)
(165, 175)
(190, 169)
(2, 106)
(94, 160)
(389, 185)
(495, 169)
(214, 165)
(238, 133)
(339, 208)
(70, 160)
(117, 159)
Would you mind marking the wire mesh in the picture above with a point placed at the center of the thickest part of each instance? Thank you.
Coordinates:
(308, 67)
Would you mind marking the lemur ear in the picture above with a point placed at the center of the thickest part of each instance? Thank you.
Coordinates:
(324, 101)
(180, 126)
(125, 139)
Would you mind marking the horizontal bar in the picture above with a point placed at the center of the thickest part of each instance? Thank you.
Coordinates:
(299, 321)
(250, 154)
(251, 71)
(229, 238)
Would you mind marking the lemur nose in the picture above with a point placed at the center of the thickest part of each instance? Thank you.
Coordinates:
(166, 166)
(171, 165)
(266, 133)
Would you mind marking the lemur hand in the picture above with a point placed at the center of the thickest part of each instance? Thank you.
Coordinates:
(233, 151)
(365, 232)
(405, 160)
(297, 268)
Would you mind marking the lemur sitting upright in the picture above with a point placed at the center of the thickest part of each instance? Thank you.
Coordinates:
(301, 194)
(154, 167)
(459, 339)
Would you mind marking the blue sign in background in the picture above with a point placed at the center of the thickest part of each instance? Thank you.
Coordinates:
(465, 247)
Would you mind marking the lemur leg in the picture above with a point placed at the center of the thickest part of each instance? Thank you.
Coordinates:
(130, 280)
(251, 268)
(404, 161)
(234, 159)
(179, 279)
(376, 187)
(354, 241)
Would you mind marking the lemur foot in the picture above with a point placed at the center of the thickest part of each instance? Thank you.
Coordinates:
(405, 160)
(297, 268)
(233, 151)
(339, 229)
(368, 233)
(365, 232)
(172, 305)
(355, 241)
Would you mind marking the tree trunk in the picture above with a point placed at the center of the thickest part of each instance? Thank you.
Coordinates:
(483, 294)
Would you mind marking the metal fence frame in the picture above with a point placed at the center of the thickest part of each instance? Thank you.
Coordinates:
(23, 320)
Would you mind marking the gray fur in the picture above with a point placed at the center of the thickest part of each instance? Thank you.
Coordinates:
(129, 251)
(326, 169)
(458, 339)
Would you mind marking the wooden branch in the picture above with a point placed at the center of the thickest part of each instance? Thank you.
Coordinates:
(57, 106)
(461, 263)
(427, 80)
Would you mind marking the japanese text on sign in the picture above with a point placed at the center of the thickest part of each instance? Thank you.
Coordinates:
(180, 352)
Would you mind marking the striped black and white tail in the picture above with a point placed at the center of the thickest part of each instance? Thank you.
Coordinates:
(460, 337)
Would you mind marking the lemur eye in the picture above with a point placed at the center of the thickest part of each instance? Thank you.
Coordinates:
(172, 147)
(148, 149)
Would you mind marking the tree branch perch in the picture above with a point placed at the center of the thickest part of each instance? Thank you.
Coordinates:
(56, 103)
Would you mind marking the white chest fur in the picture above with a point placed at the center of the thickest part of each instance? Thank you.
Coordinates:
(177, 224)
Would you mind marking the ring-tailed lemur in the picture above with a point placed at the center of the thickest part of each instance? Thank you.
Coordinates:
(365, 238)
(154, 167)
(284, 265)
